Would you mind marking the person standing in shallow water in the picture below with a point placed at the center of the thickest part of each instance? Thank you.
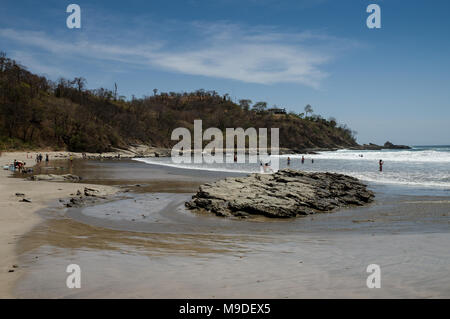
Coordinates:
(289, 161)
(303, 160)
(381, 165)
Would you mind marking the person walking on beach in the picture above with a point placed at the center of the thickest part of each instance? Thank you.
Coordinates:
(46, 158)
(381, 165)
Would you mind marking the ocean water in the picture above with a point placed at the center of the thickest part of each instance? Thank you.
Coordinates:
(423, 169)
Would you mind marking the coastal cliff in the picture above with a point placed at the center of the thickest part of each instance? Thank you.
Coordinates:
(287, 193)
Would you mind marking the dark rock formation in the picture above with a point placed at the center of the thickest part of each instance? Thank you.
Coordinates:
(88, 197)
(370, 147)
(375, 147)
(287, 193)
(389, 145)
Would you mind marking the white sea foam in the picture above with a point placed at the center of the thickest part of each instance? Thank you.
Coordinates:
(400, 180)
(419, 156)
(421, 167)
(196, 167)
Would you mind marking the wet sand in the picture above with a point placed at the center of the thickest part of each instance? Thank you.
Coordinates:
(17, 218)
(143, 243)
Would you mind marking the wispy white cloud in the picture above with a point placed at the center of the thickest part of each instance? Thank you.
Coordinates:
(27, 60)
(261, 55)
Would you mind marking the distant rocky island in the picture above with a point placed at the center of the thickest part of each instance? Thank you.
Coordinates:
(387, 146)
(287, 193)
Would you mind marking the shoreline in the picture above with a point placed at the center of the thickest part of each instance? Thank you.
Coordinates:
(18, 218)
(146, 151)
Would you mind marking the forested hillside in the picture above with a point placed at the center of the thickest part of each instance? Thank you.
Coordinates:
(36, 112)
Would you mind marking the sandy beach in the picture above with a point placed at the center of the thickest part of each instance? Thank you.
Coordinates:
(143, 243)
(17, 218)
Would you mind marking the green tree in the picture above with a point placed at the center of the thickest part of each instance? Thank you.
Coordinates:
(245, 104)
(260, 107)
(308, 109)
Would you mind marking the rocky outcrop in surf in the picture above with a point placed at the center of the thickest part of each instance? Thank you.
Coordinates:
(374, 147)
(287, 193)
(389, 145)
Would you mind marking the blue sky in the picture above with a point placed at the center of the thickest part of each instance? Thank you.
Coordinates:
(391, 83)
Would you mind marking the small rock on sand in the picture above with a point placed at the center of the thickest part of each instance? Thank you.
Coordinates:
(56, 178)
